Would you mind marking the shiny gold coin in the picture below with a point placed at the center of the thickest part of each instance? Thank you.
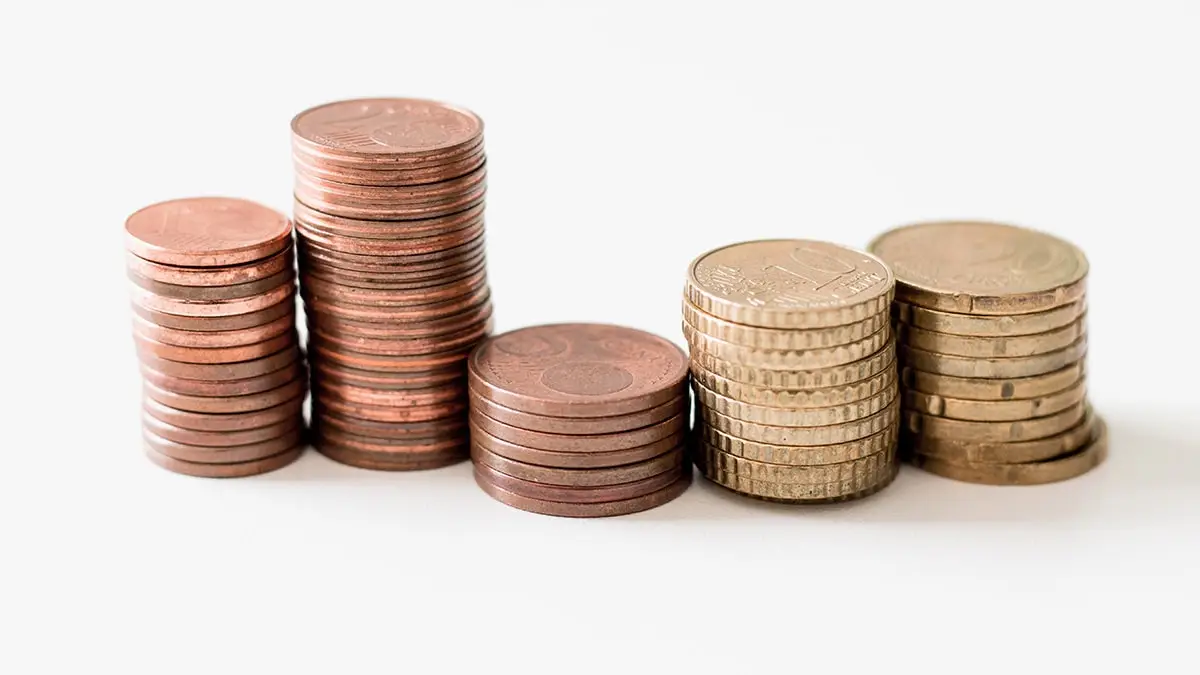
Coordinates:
(995, 411)
(779, 338)
(799, 379)
(1052, 470)
(792, 493)
(792, 359)
(988, 326)
(792, 417)
(781, 435)
(796, 398)
(1018, 366)
(974, 452)
(800, 455)
(982, 268)
(819, 474)
(994, 432)
(1002, 389)
(992, 347)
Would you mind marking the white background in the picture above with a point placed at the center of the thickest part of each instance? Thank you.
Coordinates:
(624, 138)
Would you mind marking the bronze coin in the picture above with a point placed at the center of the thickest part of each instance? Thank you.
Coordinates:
(213, 276)
(208, 308)
(381, 413)
(212, 355)
(226, 404)
(217, 439)
(383, 229)
(414, 314)
(317, 288)
(206, 232)
(350, 208)
(383, 283)
(603, 509)
(326, 419)
(407, 346)
(386, 196)
(211, 293)
(222, 371)
(575, 460)
(207, 388)
(399, 398)
(214, 339)
(230, 470)
(411, 264)
(288, 410)
(581, 443)
(386, 364)
(218, 323)
(425, 329)
(433, 243)
(390, 177)
(325, 371)
(419, 457)
(580, 425)
(578, 370)
(223, 455)
(578, 495)
(672, 460)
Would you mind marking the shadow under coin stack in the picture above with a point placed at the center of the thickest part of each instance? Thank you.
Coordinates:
(580, 420)
(991, 324)
(793, 365)
(389, 216)
(214, 301)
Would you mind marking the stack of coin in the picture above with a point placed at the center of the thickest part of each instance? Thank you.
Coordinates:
(793, 365)
(991, 323)
(214, 302)
(389, 214)
(580, 420)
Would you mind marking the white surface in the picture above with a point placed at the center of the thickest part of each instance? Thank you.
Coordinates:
(623, 140)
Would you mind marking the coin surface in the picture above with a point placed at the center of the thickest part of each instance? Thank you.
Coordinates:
(210, 308)
(231, 454)
(993, 368)
(217, 439)
(276, 414)
(212, 276)
(581, 443)
(206, 232)
(988, 326)
(597, 510)
(323, 419)
(213, 338)
(994, 347)
(221, 371)
(248, 352)
(282, 308)
(183, 388)
(995, 411)
(210, 293)
(385, 131)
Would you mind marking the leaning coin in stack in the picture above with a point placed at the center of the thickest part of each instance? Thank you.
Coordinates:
(992, 334)
(794, 370)
(389, 217)
(580, 420)
(214, 322)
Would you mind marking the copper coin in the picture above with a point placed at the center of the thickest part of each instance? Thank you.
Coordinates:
(213, 276)
(433, 243)
(575, 460)
(408, 346)
(325, 371)
(227, 455)
(381, 132)
(383, 229)
(317, 288)
(387, 364)
(399, 398)
(672, 460)
(218, 323)
(415, 313)
(390, 262)
(211, 293)
(325, 419)
(324, 201)
(398, 177)
(221, 371)
(421, 456)
(581, 425)
(578, 495)
(206, 232)
(212, 355)
(216, 439)
(209, 388)
(384, 283)
(226, 404)
(380, 413)
(288, 410)
(214, 338)
(230, 470)
(381, 331)
(207, 308)
(389, 195)
(603, 509)
(581, 443)
(578, 370)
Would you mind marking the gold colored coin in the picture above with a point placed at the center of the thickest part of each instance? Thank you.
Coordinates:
(995, 411)
(798, 455)
(974, 452)
(796, 398)
(988, 326)
(798, 493)
(1018, 366)
(992, 347)
(781, 338)
(994, 432)
(1003, 389)
(780, 435)
(789, 283)
(792, 417)
(779, 359)
(982, 268)
(1052, 470)
(799, 379)
(818, 474)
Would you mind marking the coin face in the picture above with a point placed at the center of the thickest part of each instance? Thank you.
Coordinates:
(386, 126)
(206, 232)
(982, 268)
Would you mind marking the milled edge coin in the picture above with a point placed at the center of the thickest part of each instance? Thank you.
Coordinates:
(781, 338)
(793, 417)
(819, 397)
(603, 509)
(778, 359)
(822, 435)
(857, 487)
(799, 379)
(1011, 410)
(871, 466)
(801, 455)
(988, 326)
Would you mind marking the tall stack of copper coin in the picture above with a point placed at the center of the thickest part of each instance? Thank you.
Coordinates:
(793, 366)
(992, 332)
(214, 322)
(389, 214)
(580, 420)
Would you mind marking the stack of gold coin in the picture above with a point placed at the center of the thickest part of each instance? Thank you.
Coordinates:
(991, 323)
(794, 369)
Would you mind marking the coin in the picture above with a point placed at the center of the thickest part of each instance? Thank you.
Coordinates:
(580, 425)
(421, 456)
(389, 413)
(989, 326)
(578, 495)
(290, 409)
(389, 346)
(385, 132)
(207, 388)
(214, 354)
(995, 432)
(994, 347)
(210, 308)
(396, 315)
(998, 389)
(777, 359)
(995, 411)
(819, 397)
(418, 363)
(213, 338)
(576, 460)
(816, 435)
(285, 307)
(796, 417)
(437, 242)
(231, 404)
(324, 419)
(472, 317)
(781, 339)
(579, 442)
(992, 368)
(216, 439)
(332, 226)
(230, 470)
(862, 472)
(221, 371)
(597, 510)
(206, 232)
(617, 475)
(213, 293)
(833, 376)
(982, 268)
(382, 282)
(226, 455)
(399, 398)
(975, 452)
(800, 455)
(212, 276)
(334, 373)
(393, 177)
(799, 493)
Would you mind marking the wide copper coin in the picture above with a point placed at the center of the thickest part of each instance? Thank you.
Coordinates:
(389, 264)
(581, 425)
(672, 460)
(221, 371)
(180, 386)
(217, 439)
(327, 171)
(597, 510)
(233, 454)
(399, 398)
(210, 293)
(413, 314)
(581, 443)
(578, 494)
(288, 410)
(335, 293)
(213, 276)
(322, 200)
(284, 307)
(249, 352)
(328, 225)
(214, 339)
(578, 370)
(206, 232)
(383, 283)
(969, 452)
(391, 413)
(325, 371)
(576, 460)
(433, 243)
(419, 457)
(456, 323)
(324, 419)
(210, 308)
(230, 470)
(410, 346)
(387, 364)
(227, 404)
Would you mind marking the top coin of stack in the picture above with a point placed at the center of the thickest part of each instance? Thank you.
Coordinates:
(580, 419)
(389, 214)
(215, 327)
(992, 336)
(793, 365)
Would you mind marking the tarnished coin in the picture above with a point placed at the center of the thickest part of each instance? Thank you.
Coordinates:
(801, 455)
(578, 370)
(214, 339)
(284, 307)
(1051, 470)
(232, 454)
(249, 352)
(778, 359)
(982, 268)
(597, 510)
(288, 410)
(862, 471)
(577, 460)
(587, 444)
(820, 397)
(781, 435)
(230, 470)
(213, 293)
(217, 439)
(581, 425)
(210, 308)
(799, 493)
(797, 417)
(995, 411)
(206, 232)
(993, 389)
(221, 371)
(385, 132)
(789, 283)
(995, 432)
(590, 494)
(975, 452)
(989, 326)
(672, 460)
(179, 386)
(779, 338)
(993, 368)
(213, 276)
(993, 347)
(834, 376)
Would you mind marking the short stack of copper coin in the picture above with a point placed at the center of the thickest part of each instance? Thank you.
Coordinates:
(794, 369)
(992, 335)
(214, 303)
(389, 217)
(580, 420)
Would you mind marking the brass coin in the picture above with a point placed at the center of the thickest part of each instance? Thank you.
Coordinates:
(213, 355)
(793, 493)
(789, 283)
(988, 326)
(801, 455)
(580, 443)
(579, 425)
(862, 471)
(778, 359)
(233, 454)
(1000, 389)
(778, 338)
(213, 293)
(599, 510)
(992, 368)
(982, 268)
(672, 460)
(213, 276)
(576, 460)
(210, 308)
(821, 397)
(822, 435)
(1051, 470)
(290, 409)
(231, 470)
(792, 417)
(211, 339)
(995, 411)
(976, 452)
(178, 386)
(993, 347)
(834, 376)
(590, 494)
(217, 439)
(995, 432)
